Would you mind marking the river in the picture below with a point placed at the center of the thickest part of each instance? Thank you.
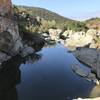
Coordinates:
(46, 75)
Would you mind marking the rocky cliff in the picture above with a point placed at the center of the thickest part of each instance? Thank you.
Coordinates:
(6, 7)
(11, 42)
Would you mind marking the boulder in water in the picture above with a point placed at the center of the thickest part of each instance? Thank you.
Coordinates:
(83, 73)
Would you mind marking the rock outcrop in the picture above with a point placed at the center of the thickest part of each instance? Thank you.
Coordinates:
(90, 57)
(78, 39)
(6, 8)
(11, 42)
(86, 48)
(81, 39)
(54, 33)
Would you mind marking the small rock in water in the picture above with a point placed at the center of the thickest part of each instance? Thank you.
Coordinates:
(80, 71)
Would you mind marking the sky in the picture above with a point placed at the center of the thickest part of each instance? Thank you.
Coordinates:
(74, 9)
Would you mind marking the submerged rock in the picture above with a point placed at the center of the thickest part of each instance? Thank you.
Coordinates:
(80, 71)
(83, 73)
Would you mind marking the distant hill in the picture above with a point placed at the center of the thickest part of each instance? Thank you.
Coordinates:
(46, 14)
(61, 21)
(93, 23)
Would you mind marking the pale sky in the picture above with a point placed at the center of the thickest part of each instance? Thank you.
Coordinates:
(74, 9)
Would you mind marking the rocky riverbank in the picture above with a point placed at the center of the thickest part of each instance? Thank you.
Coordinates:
(83, 45)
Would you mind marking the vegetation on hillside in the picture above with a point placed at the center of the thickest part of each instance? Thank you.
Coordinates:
(46, 18)
(76, 26)
(39, 20)
(93, 23)
(45, 14)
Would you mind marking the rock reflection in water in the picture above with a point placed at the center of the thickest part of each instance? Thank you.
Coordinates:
(32, 58)
(50, 45)
(10, 76)
(95, 92)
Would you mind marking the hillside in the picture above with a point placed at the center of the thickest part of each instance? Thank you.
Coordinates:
(47, 19)
(45, 14)
(93, 23)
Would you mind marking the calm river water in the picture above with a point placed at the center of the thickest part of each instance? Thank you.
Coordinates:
(46, 75)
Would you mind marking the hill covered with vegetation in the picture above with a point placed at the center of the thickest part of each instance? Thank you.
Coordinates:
(40, 20)
(44, 13)
(93, 23)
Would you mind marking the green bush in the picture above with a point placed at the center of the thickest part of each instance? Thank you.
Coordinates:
(76, 26)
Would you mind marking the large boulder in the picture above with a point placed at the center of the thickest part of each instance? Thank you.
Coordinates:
(54, 33)
(78, 39)
(10, 40)
(90, 57)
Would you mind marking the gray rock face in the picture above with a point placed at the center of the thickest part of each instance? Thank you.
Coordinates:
(10, 35)
(90, 57)
(10, 41)
(4, 57)
(27, 50)
(5, 41)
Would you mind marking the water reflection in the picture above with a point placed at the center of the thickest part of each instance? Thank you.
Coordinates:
(51, 78)
(95, 92)
(32, 58)
(50, 45)
(10, 76)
